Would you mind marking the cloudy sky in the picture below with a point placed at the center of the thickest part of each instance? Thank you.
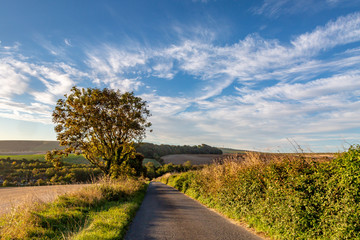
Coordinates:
(243, 74)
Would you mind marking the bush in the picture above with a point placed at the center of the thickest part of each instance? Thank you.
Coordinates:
(5, 183)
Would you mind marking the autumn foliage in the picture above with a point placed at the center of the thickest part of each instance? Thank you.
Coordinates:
(102, 125)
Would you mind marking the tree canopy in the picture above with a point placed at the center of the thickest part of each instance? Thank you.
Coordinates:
(102, 125)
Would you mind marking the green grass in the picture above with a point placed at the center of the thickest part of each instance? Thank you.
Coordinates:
(156, 163)
(111, 222)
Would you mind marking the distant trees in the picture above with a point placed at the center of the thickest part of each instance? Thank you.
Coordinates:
(102, 125)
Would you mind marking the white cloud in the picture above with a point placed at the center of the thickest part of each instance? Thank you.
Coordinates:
(38, 85)
(67, 42)
(33, 112)
(110, 66)
(11, 82)
(342, 31)
(276, 8)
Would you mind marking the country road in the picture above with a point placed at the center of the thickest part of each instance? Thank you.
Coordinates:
(14, 196)
(168, 214)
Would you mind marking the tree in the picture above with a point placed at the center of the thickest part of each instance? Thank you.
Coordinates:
(100, 124)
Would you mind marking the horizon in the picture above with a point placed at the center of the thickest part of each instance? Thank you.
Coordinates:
(242, 75)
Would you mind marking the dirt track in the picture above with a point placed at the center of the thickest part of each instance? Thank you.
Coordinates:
(15, 196)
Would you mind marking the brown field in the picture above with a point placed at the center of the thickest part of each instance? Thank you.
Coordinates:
(27, 147)
(11, 197)
(195, 159)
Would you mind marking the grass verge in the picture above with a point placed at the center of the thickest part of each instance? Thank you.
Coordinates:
(103, 210)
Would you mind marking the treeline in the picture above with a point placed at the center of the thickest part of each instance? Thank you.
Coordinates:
(286, 196)
(150, 150)
(34, 172)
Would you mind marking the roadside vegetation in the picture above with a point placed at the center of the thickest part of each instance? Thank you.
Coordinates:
(100, 211)
(153, 171)
(287, 196)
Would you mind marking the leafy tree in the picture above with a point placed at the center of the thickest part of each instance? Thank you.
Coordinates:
(150, 170)
(100, 124)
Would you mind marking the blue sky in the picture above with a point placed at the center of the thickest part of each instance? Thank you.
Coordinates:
(242, 74)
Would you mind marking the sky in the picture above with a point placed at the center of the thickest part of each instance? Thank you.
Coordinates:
(255, 75)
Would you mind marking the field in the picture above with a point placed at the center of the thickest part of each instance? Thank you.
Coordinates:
(230, 150)
(195, 159)
(27, 147)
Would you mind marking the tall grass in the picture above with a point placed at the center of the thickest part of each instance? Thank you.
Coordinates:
(286, 196)
(75, 211)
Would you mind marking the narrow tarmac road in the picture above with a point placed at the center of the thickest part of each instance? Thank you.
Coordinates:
(168, 214)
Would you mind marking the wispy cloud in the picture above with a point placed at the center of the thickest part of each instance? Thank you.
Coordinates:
(276, 8)
(67, 42)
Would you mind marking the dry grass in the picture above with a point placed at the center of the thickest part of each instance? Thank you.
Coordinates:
(256, 158)
(12, 197)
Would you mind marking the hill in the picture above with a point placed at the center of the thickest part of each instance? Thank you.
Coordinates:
(231, 150)
(27, 147)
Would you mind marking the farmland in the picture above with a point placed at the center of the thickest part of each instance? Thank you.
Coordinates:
(195, 159)
(27, 147)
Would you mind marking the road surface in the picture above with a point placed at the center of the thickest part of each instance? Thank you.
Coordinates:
(13, 196)
(168, 214)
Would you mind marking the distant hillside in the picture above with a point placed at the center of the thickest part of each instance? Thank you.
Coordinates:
(155, 151)
(230, 150)
(16, 147)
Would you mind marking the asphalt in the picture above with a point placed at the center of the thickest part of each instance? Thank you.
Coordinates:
(167, 214)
